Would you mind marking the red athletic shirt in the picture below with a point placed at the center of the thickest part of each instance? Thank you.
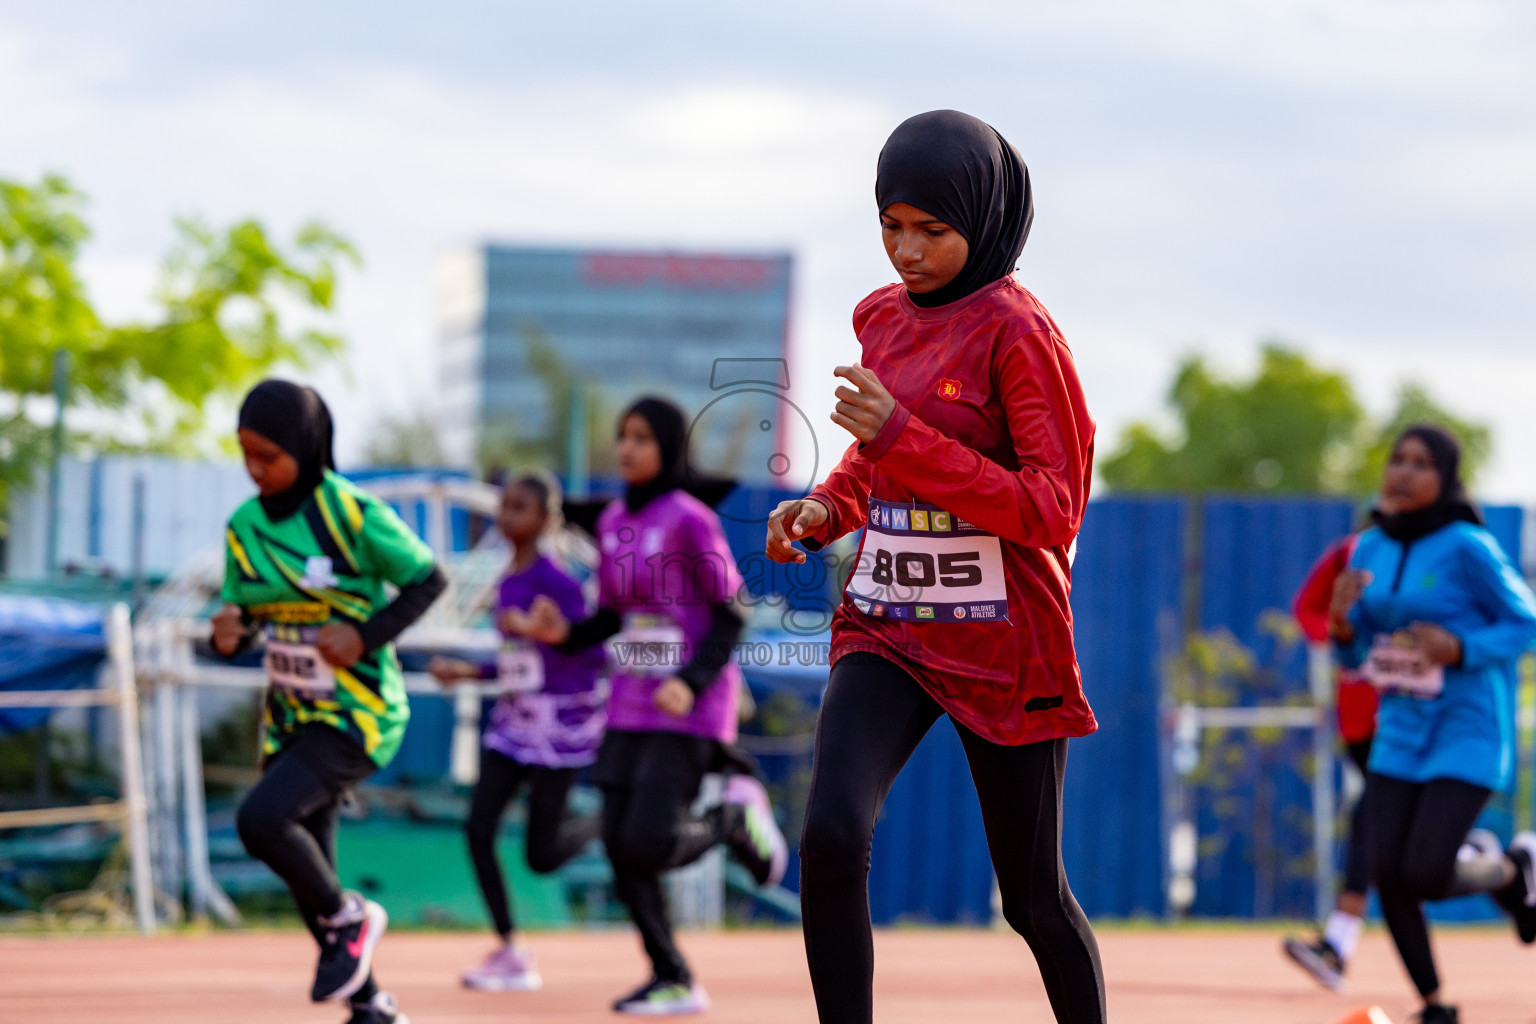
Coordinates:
(991, 425)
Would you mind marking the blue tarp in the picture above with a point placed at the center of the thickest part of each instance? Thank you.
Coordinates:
(47, 644)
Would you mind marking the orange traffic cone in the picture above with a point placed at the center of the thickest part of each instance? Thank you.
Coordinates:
(1365, 1015)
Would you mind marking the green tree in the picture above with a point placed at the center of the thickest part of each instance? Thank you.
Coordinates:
(1414, 405)
(226, 301)
(1288, 428)
(1292, 427)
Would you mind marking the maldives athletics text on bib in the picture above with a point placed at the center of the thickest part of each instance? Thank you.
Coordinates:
(923, 564)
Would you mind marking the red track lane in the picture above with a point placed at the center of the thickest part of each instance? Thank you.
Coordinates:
(1186, 976)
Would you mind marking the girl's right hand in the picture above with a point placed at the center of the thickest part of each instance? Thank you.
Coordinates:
(448, 671)
(228, 629)
(543, 622)
(792, 521)
(1347, 589)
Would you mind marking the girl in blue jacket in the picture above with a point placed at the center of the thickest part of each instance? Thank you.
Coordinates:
(1433, 613)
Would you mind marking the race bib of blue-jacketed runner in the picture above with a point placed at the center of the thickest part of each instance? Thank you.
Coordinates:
(293, 662)
(923, 564)
(1402, 670)
(519, 667)
(650, 646)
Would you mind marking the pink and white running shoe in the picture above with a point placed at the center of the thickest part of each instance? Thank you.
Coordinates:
(508, 969)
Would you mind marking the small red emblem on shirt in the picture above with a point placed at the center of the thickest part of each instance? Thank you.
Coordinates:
(949, 389)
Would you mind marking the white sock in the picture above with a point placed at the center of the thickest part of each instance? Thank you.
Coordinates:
(351, 910)
(1342, 932)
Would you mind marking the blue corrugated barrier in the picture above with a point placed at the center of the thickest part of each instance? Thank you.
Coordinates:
(1132, 585)
(1126, 589)
(1135, 580)
(1253, 790)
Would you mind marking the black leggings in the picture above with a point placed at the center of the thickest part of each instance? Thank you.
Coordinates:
(1357, 852)
(552, 837)
(288, 820)
(872, 718)
(649, 782)
(1416, 830)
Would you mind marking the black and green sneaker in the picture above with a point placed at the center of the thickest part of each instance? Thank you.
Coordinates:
(657, 998)
(751, 831)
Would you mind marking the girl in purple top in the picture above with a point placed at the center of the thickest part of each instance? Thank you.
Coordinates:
(547, 726)
(667, 581)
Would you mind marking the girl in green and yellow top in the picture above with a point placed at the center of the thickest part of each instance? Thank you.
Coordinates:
(307, 562)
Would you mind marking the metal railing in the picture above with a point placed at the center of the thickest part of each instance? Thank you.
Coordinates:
(178, 821)
(1183, 726)
(130, 810)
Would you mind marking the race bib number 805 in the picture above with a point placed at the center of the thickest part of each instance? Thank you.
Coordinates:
(921, 563)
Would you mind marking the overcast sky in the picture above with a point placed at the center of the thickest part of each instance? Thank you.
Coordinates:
(1356, 177)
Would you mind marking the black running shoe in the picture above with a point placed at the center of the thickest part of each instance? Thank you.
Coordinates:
(1511, 898)
(346, 954)
(657, 998)
(1318, 959)
(1438, 1014)
(381, 1009)
(1519, 897)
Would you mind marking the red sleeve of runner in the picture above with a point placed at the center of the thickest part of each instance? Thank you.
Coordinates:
(845, 494)
(1316, 593)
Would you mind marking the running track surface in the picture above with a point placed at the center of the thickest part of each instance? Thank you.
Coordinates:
(1187, 976)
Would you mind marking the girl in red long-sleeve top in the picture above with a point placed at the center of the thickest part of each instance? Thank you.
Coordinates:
(1327, 956)
(970, 474)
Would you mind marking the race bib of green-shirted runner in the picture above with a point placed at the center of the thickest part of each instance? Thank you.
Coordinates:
(923, 564)
(519, 667)
(293, 662)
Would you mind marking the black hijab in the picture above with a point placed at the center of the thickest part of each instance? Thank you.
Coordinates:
(1452, 506)
(294, 418)
(960, 170)
(670, 426)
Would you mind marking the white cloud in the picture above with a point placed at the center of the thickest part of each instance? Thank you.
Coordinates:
(1353, 174)
(1396, 47)
(1485, 175)
(745, 121)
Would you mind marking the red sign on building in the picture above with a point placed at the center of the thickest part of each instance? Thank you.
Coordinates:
(637, 270)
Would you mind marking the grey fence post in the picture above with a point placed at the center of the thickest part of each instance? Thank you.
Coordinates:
(135, 813)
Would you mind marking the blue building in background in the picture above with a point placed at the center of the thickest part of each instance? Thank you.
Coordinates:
(710, 331)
